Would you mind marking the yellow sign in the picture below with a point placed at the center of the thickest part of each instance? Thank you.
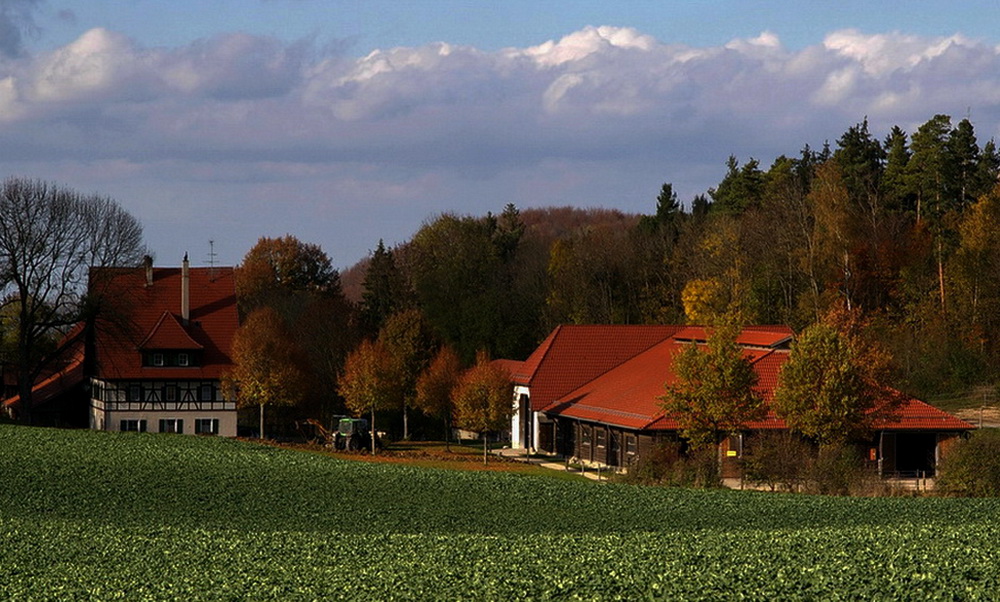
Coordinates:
(731, 453)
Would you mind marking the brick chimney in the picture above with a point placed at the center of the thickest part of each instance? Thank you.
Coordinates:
(147, 262)
(185, 290)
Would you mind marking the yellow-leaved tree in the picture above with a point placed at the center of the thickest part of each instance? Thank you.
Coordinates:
(266, 364)
(483, 399)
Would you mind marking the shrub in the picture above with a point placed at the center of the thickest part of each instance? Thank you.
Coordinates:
(779, 460)
(672, 464)
(972, 467)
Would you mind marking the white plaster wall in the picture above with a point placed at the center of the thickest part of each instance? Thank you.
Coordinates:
(227, 420)
(515, 421)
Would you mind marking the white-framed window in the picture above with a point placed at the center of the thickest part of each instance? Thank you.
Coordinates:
(133, 426)
(170, 393)
(600, 437)
(183, 359)
(206, 426)
(631, 445)
(134, 393)
(171, 425)
(157, 359)
(206, 393)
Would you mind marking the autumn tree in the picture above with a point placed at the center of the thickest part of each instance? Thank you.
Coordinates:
(266, 364)
(483, 399)
(435, 385)
(296, 279)
(407, 339)
(832, 388)
(714, 391)
(50, 237)
(275, 267)
(368, 383)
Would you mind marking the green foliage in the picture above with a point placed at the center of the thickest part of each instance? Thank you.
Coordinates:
(778, 460)
(972, 467)
(199, 518)
(822, 391)
(714, 392)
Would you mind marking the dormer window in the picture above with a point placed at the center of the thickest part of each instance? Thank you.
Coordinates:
(157, 359)
(183, 359)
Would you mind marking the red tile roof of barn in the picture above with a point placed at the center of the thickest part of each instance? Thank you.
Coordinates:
(511, 366)
(916, 415)
(153, 314)
(627, 395)
(576, 354)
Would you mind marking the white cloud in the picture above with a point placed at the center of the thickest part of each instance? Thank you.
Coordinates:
(598, 110)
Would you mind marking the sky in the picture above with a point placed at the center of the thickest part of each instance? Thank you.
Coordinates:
(343, 123)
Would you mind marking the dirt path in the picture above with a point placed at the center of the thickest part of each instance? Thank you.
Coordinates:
(988, 416)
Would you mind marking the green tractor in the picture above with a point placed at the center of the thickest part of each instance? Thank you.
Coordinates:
(353, 434)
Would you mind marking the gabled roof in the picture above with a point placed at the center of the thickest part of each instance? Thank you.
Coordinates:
(169, 334)
(151, 319)
(628, 394)
(576, 354)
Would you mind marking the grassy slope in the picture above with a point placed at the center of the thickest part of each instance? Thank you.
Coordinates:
(102, 515)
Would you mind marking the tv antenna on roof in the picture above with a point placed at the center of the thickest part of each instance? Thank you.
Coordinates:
(211, 260)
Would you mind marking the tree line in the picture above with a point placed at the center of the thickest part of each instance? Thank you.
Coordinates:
(901, 231)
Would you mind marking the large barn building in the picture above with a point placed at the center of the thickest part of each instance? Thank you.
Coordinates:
(592, 393)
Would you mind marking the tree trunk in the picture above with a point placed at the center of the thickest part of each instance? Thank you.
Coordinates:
(485, 440)
(406, 423)
(371, 432)
(447, 435)
(261, 421)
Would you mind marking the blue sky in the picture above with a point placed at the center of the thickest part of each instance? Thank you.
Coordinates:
(346, 122)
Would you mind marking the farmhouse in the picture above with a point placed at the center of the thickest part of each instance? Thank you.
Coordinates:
(155, 362)
(592, 392)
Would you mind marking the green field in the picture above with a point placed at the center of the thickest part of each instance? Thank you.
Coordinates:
(96, 516)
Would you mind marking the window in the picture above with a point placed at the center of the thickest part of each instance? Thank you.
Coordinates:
(601, 436)
(631, 445)
(206, 393)
(206, 426)
(171, 425)
(134, 393)
(133, 426)
(170, 393)
(157, 359)
(584, 435)
(183, 359)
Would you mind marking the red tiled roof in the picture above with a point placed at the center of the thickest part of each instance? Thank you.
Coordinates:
(751, 336)
(511, 366)
(915, 415)
(627, 394)
(70, 375)
(169, 334)
(153, 317)
(573, 355)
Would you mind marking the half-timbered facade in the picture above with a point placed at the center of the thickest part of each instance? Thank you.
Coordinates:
(166, 377)
(155, 361)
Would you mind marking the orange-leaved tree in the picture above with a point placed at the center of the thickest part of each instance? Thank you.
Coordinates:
(370, 381)
(435, 386)
(265, 364)
(483, 398)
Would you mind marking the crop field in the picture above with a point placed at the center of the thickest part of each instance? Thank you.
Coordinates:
(104, 516)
